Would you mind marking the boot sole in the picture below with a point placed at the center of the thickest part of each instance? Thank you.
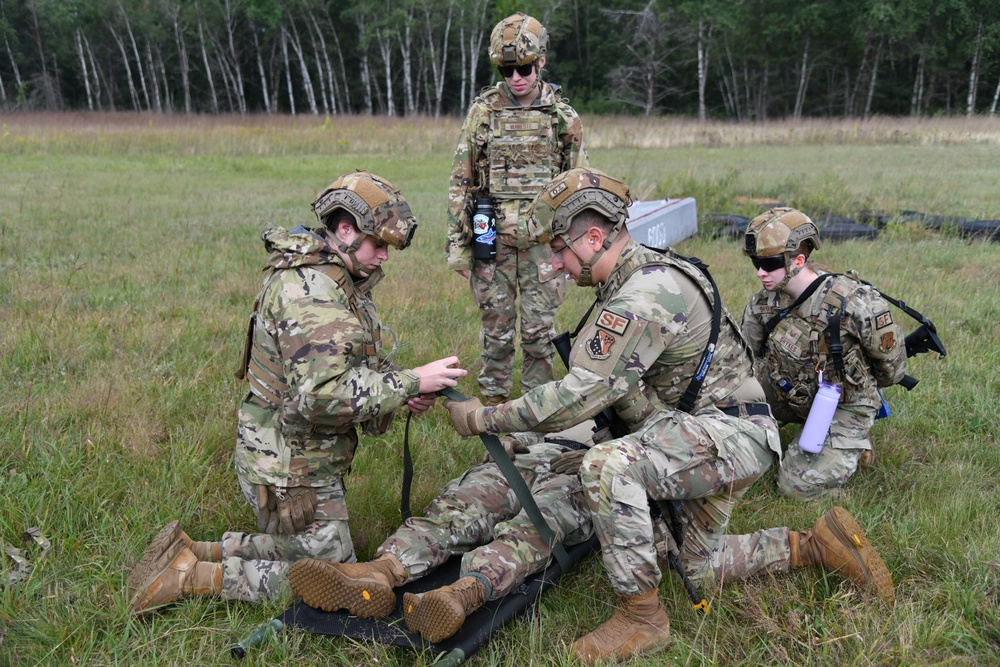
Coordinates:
(322, 586)
(849, 532)
(159, 554)
(431, 616)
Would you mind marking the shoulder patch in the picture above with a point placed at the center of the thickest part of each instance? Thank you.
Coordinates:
(887, 342)
(883, 320)
(599, 347)
(612, 321)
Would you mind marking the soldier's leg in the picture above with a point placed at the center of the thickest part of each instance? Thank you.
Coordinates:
(812, 476)
(463, 516)
(494, 291)
(676, 457)
(517, 550)
(255, 565)
(541, 292)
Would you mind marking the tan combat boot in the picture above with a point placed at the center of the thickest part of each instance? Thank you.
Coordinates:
(183, 575)
(438, 614)
(163, 549)
(837, 543)
(363, 589)
(638, 627)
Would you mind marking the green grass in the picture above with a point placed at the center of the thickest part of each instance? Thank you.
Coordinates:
(130, 255)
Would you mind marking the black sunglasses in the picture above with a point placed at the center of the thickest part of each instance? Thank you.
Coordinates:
(507, 71)
(769, 264)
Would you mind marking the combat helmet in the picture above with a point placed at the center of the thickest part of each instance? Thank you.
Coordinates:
(376, 205)
(519, 39)
(566, 196)
(779, 233)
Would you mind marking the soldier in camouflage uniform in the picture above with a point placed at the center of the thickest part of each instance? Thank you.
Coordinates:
(655, 313)
(317, 370)
(477, 515)
(795, 348)
(518, 135)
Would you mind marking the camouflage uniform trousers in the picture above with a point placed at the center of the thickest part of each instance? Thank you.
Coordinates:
(812, 476)
(479, 516)
(707, 461)
(495, 287)
(255, 565)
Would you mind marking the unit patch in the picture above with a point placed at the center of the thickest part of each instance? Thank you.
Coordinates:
(599, 347)
(882, 320)
(888, 341)
(613, 322)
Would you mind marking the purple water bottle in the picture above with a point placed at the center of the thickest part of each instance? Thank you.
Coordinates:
(820, 416)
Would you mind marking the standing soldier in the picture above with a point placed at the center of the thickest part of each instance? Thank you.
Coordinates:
(317, 370)
(518, 135)
(660, 323)
(804, 322)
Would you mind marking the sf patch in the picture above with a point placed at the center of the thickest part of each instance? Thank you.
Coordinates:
(882, 320)
(599, 347)
(612, 321)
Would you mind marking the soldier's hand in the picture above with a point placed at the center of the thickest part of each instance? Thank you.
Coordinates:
(288, 509)
(463, 273)
(439, 374)
(464, 416)
(568, 463)
(511, 445)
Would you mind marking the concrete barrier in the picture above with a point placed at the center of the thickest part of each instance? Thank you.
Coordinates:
(662, 222)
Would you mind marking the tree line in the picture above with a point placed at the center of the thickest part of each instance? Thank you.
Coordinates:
(726, 59)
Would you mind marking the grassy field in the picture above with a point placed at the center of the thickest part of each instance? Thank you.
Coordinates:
(130, 255)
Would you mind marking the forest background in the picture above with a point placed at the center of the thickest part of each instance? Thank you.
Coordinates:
(719, 59)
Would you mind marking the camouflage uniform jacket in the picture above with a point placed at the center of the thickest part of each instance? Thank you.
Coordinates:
(652, 327)
(305, 325)
(508, 152)
(874, 354)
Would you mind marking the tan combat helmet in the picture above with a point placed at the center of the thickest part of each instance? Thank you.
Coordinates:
(566, 196)
(518, 40)
(377, 207)
(779, 233)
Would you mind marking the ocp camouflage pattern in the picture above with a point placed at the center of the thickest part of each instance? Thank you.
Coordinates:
(645, 335)
(874, 356)
(498, 158)
(653, 323)
(305, 324)
(478, 515)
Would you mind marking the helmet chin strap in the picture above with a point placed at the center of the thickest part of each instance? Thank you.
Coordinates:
(350, 251)
(790, 272)
(586, 279)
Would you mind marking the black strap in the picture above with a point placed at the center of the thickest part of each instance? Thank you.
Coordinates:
(806, 293)
(690, 396)
(404, 496)
(510, 473)
(833, 343)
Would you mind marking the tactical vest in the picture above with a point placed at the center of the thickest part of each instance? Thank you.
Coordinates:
(522, 153)
(264, 370)
(732, 352)
(797, 348)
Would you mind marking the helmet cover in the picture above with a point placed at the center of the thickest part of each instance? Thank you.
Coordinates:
(574, 191)
(779, 231)
(519, 39)
(378, 208)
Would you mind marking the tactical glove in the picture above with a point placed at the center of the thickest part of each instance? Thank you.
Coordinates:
(288, 509)
(464, 416)
(568, 463)
(511, 445)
